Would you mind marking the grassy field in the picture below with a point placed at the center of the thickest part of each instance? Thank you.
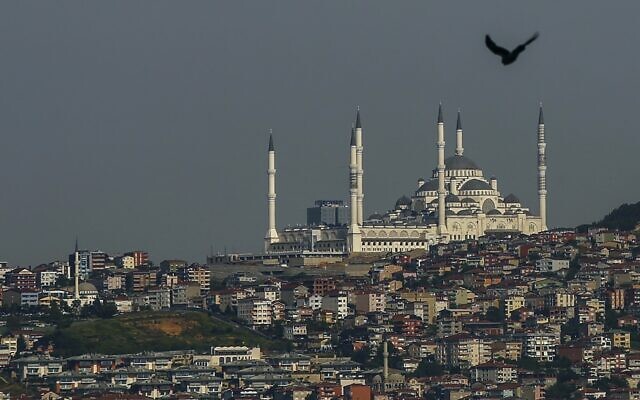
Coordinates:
(153, 331)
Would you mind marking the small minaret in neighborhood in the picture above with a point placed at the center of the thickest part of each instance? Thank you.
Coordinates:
(354, 235)
(542, 171)
(76, 273)
(459, 148)
(272, 233)
(385, 360)
(442, 225)
(360, 170)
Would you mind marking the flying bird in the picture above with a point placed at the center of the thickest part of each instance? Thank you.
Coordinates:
(507, 56)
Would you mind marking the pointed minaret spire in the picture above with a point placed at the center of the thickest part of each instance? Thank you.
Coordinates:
(440, 119)
(459, 148)
(541, 116)
(358, 124)
(271, 148)
(76, 244)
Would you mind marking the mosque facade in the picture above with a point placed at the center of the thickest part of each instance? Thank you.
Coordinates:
(456, 202)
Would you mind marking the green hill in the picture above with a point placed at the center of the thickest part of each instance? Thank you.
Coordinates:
(153, 331)
(624, 218)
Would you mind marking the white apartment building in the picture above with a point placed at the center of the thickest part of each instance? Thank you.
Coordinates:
(295, 331)
(552, 264)
(463, 350)
(494, 372)
(256, 312)
(315, 301)
(540, 345)
(338, 303)
(49, 278)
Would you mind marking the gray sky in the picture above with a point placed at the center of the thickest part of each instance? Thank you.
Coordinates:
(143, 124)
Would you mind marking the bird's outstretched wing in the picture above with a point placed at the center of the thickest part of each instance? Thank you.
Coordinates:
(521, 47)
(495, 49)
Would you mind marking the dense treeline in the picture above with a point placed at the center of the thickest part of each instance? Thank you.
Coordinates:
(623, 218)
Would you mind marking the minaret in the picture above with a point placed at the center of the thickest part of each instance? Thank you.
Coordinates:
(385, 360)
(542, 171)
(272, 233)
(459, 148)
(442, 224)
(354, 236)
(360, 170)
(76, 278)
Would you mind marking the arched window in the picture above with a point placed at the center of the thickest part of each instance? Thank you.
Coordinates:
(488, 205)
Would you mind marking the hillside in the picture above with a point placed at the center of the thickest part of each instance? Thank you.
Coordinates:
(624, 218)
(153, 331)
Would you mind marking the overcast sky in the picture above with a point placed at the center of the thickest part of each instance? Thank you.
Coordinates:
(144, 124)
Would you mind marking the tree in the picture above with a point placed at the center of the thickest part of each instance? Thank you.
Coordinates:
(571, 328)
(109, 309)
(429, 366)
(14, 322)
(494, 314)
(529, 363)
(361, 356)
(21, 345)
(561, 391)
(606, 384)
(53, 314)
(611, 319)
(574, 268)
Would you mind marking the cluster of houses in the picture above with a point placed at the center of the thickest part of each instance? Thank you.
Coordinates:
(135, 286)
(532, 317)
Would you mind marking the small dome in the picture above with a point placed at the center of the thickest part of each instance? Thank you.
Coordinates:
(429, 186)
(494, 212)
(87, 287)
(511, 198)
(403, 201)
(82, 287)
(468, 200)
(452, 198)
(475, 184)
(450, 212)
(460, 162)
(466, 211)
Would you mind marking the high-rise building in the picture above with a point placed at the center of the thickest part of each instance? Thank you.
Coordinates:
(328, 212)
(81, 259)
(140, 258)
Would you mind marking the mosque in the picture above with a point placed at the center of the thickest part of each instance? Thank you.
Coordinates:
(455, 203)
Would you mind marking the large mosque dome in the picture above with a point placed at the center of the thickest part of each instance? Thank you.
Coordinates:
(460, 162)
